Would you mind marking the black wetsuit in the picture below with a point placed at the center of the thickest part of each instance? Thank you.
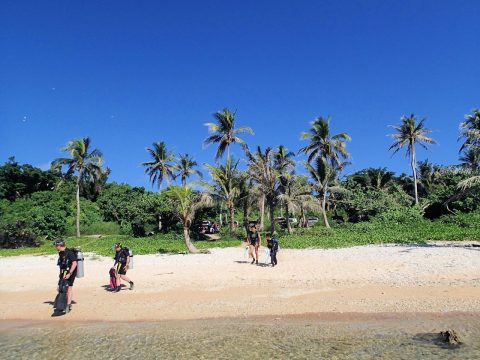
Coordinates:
(253, 238)
(273, 246)
(65, 260)
(121, 261)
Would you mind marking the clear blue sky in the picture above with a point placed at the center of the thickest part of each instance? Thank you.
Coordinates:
(128, 73)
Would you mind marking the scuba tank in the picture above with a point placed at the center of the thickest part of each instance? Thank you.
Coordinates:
(80, 261)
(130, 263)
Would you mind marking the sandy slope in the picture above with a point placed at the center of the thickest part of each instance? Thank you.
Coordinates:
(222, 284)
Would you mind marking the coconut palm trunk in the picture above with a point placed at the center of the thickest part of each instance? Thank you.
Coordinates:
(188, 242)
(414, 170)
(77, 220)
(324, 210)
(262, 211)
(287, 214)
(271, 207)
(246, 212)
(303, 220)
(232, 219)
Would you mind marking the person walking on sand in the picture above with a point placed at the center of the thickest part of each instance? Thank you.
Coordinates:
(254, 241)
(67, 262)
(122, 259)
(272, 244)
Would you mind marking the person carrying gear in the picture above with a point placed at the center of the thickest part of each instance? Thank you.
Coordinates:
(67, 262)
(272, 244)
(122, 259)
(254, 241)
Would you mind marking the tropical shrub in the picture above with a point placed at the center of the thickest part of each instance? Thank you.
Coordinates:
(463, 220)
(13, 236)
(407, 215)
(45, 213)
(361, 204)
(90, 213)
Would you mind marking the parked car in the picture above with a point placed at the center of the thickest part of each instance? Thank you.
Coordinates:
(283, 221)
(312, 221)
(208, 227)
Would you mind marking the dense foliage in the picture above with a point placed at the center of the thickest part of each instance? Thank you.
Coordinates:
(13, 236)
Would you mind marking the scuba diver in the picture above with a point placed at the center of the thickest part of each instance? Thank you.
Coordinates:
(272, 244)
(67, 262)
(122, 259)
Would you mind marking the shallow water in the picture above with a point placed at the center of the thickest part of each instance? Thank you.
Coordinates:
(309, 337)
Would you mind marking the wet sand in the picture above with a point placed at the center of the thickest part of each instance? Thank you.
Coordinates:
(359, 280)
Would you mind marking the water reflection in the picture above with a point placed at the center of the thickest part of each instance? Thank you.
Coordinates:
(394, 337)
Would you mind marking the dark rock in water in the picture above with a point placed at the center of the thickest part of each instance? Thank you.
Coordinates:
(450, 337)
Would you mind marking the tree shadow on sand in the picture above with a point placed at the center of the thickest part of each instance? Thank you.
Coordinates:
(410, 247)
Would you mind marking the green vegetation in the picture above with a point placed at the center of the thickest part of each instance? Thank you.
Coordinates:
(384, 231)
(373, 205)
(162, 243)
(397, 227)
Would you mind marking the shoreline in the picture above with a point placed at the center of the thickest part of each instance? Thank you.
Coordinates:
(324, 317)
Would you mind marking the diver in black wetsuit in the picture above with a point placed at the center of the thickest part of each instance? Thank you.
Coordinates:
(272, 244)
(67, 262)
(122, 260)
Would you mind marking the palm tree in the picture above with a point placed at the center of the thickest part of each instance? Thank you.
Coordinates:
(297, 196)
(185, 168)
(161, 166)
(85, 163)
(284, 165)
(225, 185)
(408, 134)
(471, 159)
(283, 159)
(303, 199)
(262, 171)
(470, 183)
(331, 148)
(185, 203)
(374, 178)
(470, 130)
(429, 174)
(247, 194)
(224, 132)
(324, 177)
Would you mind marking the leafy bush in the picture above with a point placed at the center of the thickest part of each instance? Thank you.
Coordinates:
(14, 236)
(463, 220)
(361, 204)
(406, 215)
(44, 212)
(100, 228)
(116, 202)
(137, 212)
(89, 213)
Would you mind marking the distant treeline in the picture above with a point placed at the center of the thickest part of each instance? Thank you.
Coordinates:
(75, 194)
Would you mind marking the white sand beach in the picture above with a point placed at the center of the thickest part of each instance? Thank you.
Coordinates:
(444, 277)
